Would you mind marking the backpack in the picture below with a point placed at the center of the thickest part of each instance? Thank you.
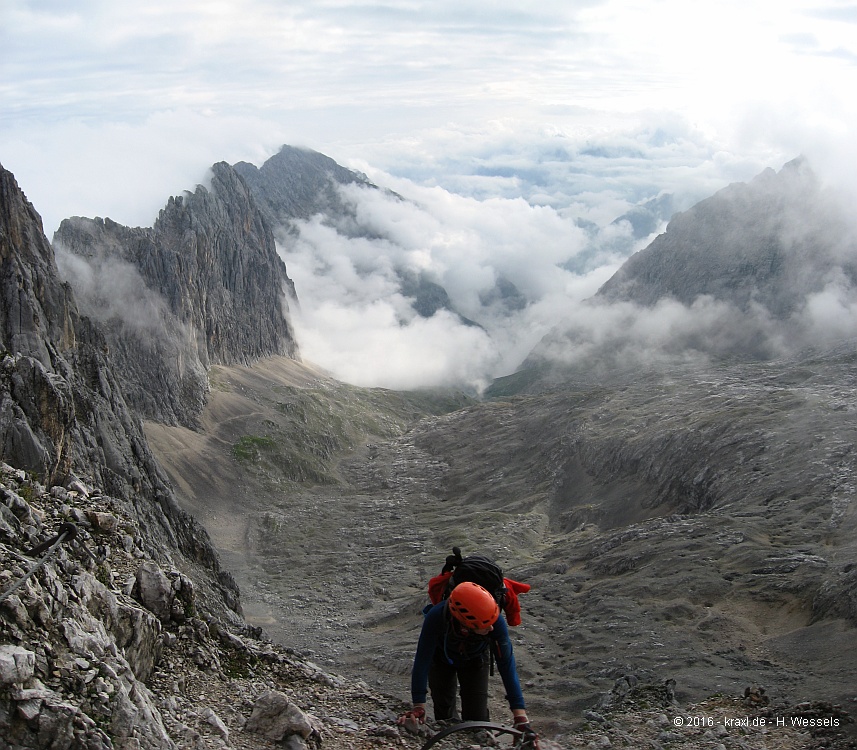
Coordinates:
(484, 571)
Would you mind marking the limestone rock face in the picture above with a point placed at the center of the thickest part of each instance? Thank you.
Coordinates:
(34, 309)
(223, 273)
(16, 664)
(63, 414)
(38, 321)
(203, 286)
(85, 664)
(154, 590)
(75, 652)
(49, 353)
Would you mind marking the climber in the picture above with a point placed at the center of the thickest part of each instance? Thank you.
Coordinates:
(454, 651)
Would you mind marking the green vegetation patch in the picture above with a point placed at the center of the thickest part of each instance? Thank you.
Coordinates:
(239, 664)
(217, 381)
(281, 456)
(252, 447)
(307, 430)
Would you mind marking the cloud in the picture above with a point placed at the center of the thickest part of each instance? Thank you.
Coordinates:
(354, 320)
(535, 208)
(371, 347)
(468, 244)
(256, 54)
(832, 313)
(596, 169)
(597, 338)
(600, 338)
(111, 289)
(797, 244)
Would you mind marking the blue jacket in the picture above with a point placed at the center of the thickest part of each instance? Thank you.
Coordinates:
(438, 634)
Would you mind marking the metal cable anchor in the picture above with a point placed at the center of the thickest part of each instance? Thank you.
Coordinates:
(67, 532)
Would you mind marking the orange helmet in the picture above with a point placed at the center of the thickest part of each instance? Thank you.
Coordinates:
(473, 606)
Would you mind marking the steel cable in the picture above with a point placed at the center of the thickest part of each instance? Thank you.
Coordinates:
(67, 532)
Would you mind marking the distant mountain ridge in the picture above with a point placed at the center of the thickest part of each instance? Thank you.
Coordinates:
(205, 284)
(297, 183)
(212, 290)
(771, 241)
(747, 274)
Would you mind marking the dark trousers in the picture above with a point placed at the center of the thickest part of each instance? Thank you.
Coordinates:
(471, 677)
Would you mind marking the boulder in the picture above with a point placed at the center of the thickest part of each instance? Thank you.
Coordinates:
(16, 664)
(276, 718)
(154, 591)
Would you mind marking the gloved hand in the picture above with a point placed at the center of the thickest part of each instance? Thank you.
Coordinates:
(530, 739)
(410, 720)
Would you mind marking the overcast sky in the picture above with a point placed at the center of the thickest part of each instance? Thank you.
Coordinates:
(504, 120)
(108, 107)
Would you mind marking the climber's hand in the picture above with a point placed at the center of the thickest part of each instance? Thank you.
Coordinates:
(411, 720)
(530, 739)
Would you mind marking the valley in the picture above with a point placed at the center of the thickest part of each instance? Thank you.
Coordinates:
(692, 525)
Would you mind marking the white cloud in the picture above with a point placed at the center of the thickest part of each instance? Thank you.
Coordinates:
(604, 337)
(354, 321)
(830, 314)
(588, 170)
(366, 345)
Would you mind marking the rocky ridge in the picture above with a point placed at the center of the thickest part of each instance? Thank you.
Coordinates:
(203, 286)
(772, 242)
(298, 183)
(63, 416)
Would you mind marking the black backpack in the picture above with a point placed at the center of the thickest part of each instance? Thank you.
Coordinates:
(476, 569)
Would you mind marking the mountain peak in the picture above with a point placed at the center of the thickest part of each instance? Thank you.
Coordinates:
(297, 183)
(771, 241)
